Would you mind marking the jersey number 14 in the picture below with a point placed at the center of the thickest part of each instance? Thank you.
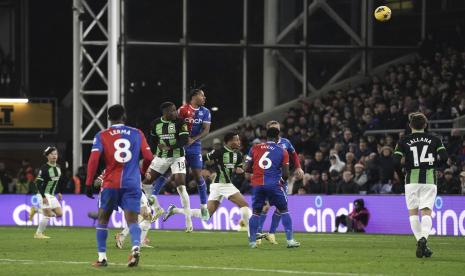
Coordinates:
(423, 159)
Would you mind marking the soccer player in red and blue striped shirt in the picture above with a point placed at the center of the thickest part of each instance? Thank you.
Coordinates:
(269, 165)
(121, 147)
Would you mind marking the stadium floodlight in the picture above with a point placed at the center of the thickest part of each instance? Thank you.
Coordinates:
(214, 108)
(13, 100)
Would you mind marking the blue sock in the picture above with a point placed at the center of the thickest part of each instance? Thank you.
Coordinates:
(275, 219)
(134, 230)
(261, 222)
(287, 223)
(253, 227)
(102, 234)
(159, 183)
(202, 191)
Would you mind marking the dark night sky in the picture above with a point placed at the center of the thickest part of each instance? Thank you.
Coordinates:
(155, 73)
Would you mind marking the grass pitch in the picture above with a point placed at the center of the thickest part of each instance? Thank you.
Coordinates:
(72, 250)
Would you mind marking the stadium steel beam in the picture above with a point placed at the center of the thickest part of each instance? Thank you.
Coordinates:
(305, 52)
(270, 62)
(244, 41)
(96, 72)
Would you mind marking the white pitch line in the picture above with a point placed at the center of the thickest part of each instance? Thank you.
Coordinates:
(281, 271)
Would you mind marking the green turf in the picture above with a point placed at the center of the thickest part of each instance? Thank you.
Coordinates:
(71, 250)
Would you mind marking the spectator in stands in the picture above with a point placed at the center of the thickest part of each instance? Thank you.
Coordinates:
(297, 185)
(5, 180)
(347, 185)
(350, 161)
(386, 167)
(318, 163)
(22, 184)
(314, 185)
(27, 170)
(450, 183)
(81, 175)
(462, 183)
(361, 178)
(333, 182)
(363, 151)
(336, 163)
(357, 220)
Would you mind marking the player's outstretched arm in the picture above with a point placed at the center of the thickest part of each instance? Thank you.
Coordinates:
(205, 131)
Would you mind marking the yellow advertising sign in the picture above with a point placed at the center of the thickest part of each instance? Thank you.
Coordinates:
(26, 116)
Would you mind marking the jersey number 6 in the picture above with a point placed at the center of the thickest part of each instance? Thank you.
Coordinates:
(265, 162)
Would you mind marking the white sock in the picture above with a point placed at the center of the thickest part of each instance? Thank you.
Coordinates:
(102, 256)
(124, 233)
(415, 226)
(245, 215)
(186, 204)
(144, 227)
(179, 211)
(156, 204)
(426, 224)
(196, 213)
(42, 224)
(147, 189)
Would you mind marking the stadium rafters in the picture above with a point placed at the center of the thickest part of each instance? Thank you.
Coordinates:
(96, 72)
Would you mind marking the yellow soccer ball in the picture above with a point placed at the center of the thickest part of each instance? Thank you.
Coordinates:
(383, 13)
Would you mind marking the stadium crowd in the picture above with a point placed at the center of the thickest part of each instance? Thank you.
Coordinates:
(329, 133)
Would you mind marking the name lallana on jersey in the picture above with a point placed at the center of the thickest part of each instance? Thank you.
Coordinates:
(418, 140)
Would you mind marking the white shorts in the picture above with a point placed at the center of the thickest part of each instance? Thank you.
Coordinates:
(219, 191)
(420, 196)
(52, 202)
(161, 165)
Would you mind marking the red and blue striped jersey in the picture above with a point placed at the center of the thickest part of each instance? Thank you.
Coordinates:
(195, 118)
(121, 147)
(267, 160)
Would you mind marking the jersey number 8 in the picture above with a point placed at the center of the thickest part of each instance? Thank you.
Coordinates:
(122, 152)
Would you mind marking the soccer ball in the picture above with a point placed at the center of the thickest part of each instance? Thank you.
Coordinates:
(383, 13)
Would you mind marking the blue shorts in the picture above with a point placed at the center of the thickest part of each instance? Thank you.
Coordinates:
(127, 199)
(194, 158)
(275, 194)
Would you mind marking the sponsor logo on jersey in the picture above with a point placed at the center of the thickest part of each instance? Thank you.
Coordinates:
(193, 121)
